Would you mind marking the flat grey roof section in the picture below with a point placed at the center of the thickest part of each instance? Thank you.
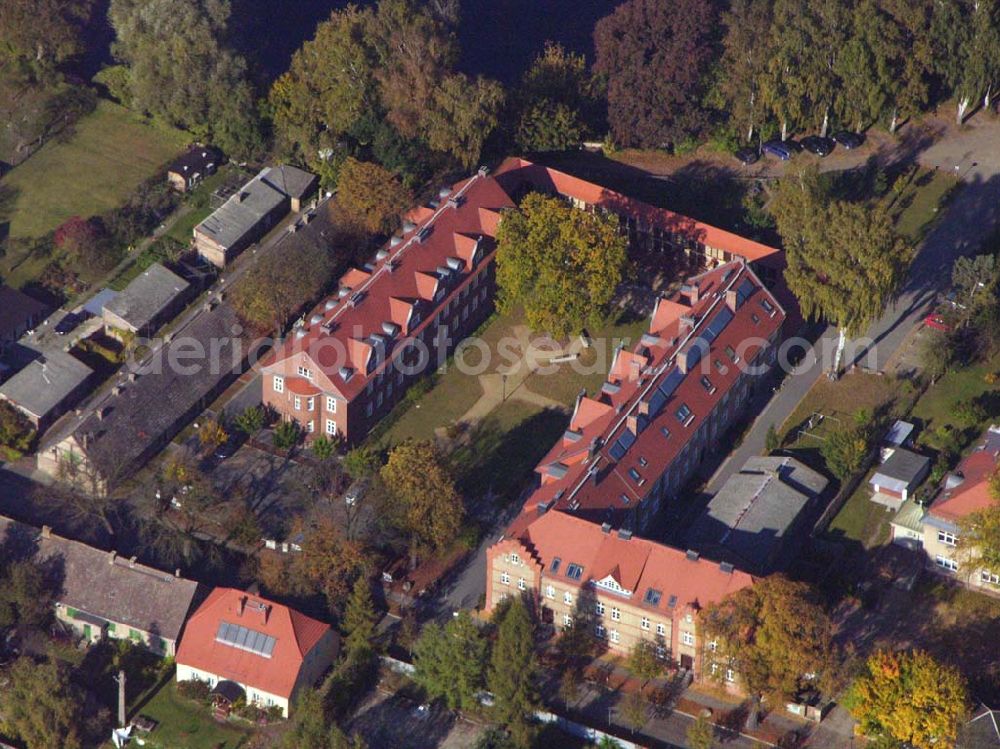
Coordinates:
(901, 469)
(147, 296)
(242, 212)
(45, 382)
(290, 180)
(754, 509)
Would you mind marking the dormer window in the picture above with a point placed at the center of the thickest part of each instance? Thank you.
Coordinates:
(574, 571)
(305, 372)
(707, 384)
(768, 307)
(684, 415)
(731, 353)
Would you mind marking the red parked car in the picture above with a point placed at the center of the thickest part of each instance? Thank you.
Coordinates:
(937, 321)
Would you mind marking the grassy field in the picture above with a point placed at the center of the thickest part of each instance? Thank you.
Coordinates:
(935, 411)
(918, 203)
(107, 155)
(184, 724)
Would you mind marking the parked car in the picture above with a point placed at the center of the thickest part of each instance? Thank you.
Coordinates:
(937, 321)
(68, 323)
(818, 145)
(793, 146)
(747, 156)
(355, 492)
(777, 149)
(227, 449)
(848, 139)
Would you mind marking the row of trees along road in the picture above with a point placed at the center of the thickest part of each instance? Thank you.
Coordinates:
(790, 65)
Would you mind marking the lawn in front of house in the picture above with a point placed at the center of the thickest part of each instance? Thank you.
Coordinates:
(935, 412)
(185, 724)
(109, 153)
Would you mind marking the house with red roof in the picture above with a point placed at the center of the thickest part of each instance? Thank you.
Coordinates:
(650, 229)
(623, 587)
(247, 646)
(936, 530)
(395, 318)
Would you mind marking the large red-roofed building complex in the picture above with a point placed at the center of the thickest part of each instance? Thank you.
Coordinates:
(394, 319)
(244, 645)
(628, 450)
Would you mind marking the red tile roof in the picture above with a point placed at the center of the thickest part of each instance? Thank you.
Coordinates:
(514, 172)
(636, 564)
(402, 277)
(973, 494)
(634, 408)
(294, 633)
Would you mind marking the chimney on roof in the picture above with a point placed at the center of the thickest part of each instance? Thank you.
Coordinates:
(112, 555)
(624, 534)
(131, 563)
(46, 531)
(643, 409)
(692, 555)
(732, 300)
(606, 528)
(726, 567)
(691, 291)
(177, 572)
(632, 423)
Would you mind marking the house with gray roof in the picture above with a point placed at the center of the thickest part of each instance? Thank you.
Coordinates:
(894, 481)
(759, 515)
(124, 428)
(19, 313)
(251, 211)
(100, 594)
(152, 298)
(47, 387)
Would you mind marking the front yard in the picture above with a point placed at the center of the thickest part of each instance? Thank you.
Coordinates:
(184, 724)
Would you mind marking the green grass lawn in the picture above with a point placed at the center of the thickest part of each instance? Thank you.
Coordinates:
(108, 154)
(198, 204)
(184, 724)
(919, 202)
(862, 520)
(936, 408)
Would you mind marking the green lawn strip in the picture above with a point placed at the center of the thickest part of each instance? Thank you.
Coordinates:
(184, 724)
(935, 411)
(109, 153)
(860, 519)
(919, 202)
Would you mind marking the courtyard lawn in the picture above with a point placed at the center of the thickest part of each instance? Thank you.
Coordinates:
(919, 202)
(109, 153)
(862, 520)
(935, 411)
(183, 724)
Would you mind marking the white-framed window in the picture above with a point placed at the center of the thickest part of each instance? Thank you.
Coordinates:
(331, 427)
(515, 559)
(310, 426)
(310, 403)
(730, 675)
(568, 598)
(990, 578)
(567, 620)
(520, 583)
(616, 614)
(947, 538)
(713, 645)
(331, 404)
(599, 608)
(599, 631)
(305, 372)
(644, 623)
(298, 403)
(614, 636)
(279, 384)
(687, 638)
(505, 578)
(661, 629)
(550, 592)
(945, 563)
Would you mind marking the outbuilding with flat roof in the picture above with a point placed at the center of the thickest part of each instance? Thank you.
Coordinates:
(149, 300)
(901, 473)
(47, 387)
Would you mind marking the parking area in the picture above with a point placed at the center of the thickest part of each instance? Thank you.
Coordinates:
(392, 720)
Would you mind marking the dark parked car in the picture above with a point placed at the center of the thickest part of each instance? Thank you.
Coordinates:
(848, 139)
(68, 323)
(227, 449)
(793, 146)
(818, 145)
(778, 149)
(747, 156)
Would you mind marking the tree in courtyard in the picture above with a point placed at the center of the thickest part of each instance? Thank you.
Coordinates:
(635, 711)
(45, 31)
(360, 617)
(643, 661)
(909, 698)
(845, 260)
(16, 431)
(280, 283)
(700, 734)
(39, 704)
(427, 505)
(655, 58)
(450, 661)
(770, 634)
(371, 195)
(512, 674)
(328, 563)
(562, 264)
(845, 450)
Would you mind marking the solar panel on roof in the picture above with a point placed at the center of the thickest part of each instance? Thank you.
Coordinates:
(622, 444)
(746, 288)
(656, 402)
(670, 383)
(718, 324)
(244, 638)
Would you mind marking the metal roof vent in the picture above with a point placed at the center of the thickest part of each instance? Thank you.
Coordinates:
(301, 333)
(381, 255)
(395, 241)
(444, 192)
(316, 319)
(390, 328)
(692, 555)
(343, 291)
(455, 263)
(330, 304)
(408, 226)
